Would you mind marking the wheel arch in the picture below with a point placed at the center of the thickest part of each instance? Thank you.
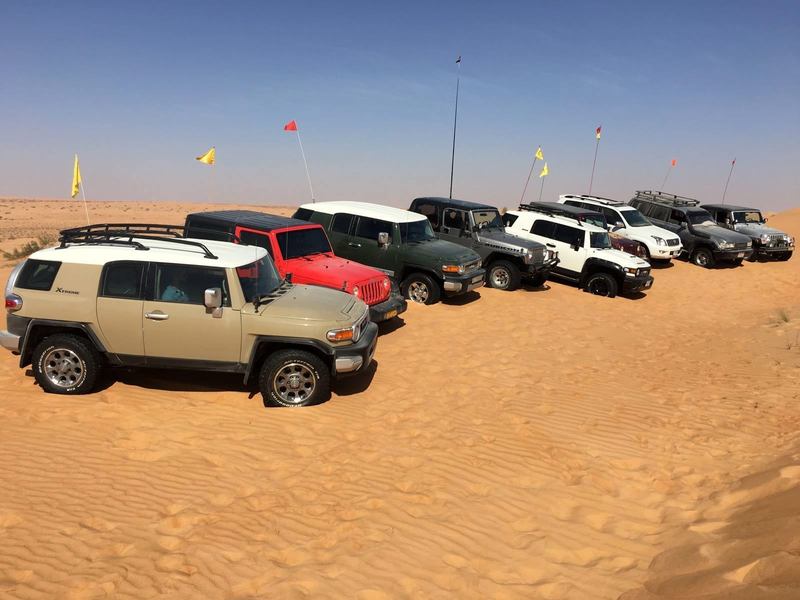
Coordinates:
(598, 265)
(38, 329)
(266, 345)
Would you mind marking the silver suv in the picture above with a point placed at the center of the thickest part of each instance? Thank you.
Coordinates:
(768, 242)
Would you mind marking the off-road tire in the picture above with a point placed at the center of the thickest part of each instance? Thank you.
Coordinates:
(66, 364)
(786, 255)
(421, 288)
(503, 275)
(703, 257)
(601, 284)
(285, 369)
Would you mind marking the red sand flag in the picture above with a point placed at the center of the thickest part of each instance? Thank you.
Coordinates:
(669, 170)
(594, 162)
(597, 132)
(290, 126)
(674, 161)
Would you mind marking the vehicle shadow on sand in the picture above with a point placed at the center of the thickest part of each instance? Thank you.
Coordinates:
(462, 299)
(391, 325)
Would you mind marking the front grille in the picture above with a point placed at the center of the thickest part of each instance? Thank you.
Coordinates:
(373, 292)
(538, 254)
(473, 266)
(776, 240)
(740, 246)
(673, 242)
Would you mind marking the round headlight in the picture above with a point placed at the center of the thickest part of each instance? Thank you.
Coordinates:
(356, 291)
(386, 283)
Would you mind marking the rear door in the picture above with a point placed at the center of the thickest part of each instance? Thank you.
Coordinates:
(119, 306)
(176, 325)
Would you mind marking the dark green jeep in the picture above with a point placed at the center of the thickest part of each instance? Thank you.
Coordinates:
(401, 244)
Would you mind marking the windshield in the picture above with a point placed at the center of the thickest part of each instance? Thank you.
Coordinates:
(635, 218)
(487, 218)
(258, 278)
(700, 217)
(751, 216)
(599, 239)
(302, 242)
(417, 231)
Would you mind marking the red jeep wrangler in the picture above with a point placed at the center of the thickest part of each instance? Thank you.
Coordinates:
(302, 250)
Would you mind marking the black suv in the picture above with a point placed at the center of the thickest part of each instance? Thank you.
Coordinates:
(507, 258)
(704, 242)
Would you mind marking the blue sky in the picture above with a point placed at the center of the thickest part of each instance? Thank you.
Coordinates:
(139, 89)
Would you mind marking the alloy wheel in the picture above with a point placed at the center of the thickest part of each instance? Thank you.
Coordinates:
(294, 383)
(418, 292)
(64, 368)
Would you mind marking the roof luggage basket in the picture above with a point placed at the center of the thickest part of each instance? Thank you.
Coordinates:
(601, 200)
(551, 211)
(664, 198)
(128, 234)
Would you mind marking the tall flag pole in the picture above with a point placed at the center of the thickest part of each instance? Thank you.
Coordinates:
(594, 162)
(545, 172)
(540, 156)
(669, 170)
(455, 123)
(733, 162)
(292, 126)
(77, 185)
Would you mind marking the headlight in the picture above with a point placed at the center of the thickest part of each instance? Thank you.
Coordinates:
(789, 239)
(356, 291)
(659, 241)
(341, 335)
(386, 283)
(629, 271)
(453, 269)
(749, 244)
(765, 238)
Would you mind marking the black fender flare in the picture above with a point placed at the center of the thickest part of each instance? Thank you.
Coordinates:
(26, 350)
(281, 342)
(594, 265)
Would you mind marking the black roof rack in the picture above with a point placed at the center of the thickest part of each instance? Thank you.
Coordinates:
(128, 234)
(664, 198)
(553, 211)
(600, 200)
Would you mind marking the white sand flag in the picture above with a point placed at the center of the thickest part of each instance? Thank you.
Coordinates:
(292, 126)
(77, 186)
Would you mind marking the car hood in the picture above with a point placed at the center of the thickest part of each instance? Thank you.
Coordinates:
(313, 303)
(508, 241)
(330, 271)
(715, 231)
(443, 251)
(650, 231)
(621, 258)
(756, 229)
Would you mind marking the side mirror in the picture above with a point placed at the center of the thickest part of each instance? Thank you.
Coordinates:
(212, 298)
(383, 239)
(616, 228)
(288, 277)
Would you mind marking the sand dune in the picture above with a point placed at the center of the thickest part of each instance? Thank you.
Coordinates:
(535, 444)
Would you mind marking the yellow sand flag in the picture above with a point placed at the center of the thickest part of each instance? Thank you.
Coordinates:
(539, 154)
(76, 178)
(545, 171)
(208, 157)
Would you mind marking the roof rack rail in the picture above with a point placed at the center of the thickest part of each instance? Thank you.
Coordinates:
(601, 200)
(664, 198)
(551, 211)
(128, 234)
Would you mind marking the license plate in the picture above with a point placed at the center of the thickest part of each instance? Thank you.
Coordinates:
(390, 314)
(740, 255)
(649, 284)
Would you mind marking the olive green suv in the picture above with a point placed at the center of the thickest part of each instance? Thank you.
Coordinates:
(144, 296)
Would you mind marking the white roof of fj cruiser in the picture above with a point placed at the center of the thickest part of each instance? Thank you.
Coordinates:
(532, 216)
(228, 254)
(366, 209)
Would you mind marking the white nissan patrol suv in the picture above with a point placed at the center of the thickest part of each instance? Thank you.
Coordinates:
(585, 253)
(657, 242)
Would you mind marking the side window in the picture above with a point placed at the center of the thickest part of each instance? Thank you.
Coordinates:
(38, 275)
(341, 223)
(430, 211)
(304, 214)
(369, 228)
(645, 208)
(612, 216)
(569, 235)
(123, 279)
(676, 217)
(544, 228)
(661, 213)
(253, 238)
(455, 219)
(186, 285)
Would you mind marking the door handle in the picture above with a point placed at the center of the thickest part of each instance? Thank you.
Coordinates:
(353, 245)
(551, 245)
(156, 316)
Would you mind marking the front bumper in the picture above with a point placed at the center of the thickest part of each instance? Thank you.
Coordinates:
(768, 250)
(356, 357)
(9, 341)
(388, 309)
(665, 252)
(542, 269)
(637, 284)
(734, 254)
(464, 283)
